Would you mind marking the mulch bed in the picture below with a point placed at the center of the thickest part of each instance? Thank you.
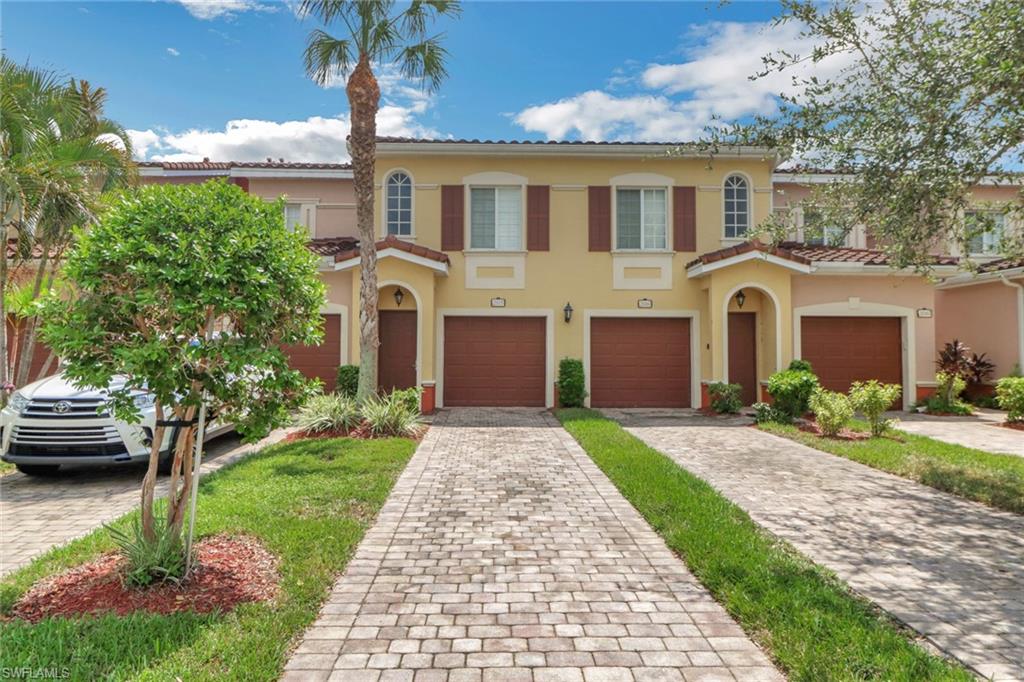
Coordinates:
(845, 434)
(362, 432)
(230, 571)
(1016, 426)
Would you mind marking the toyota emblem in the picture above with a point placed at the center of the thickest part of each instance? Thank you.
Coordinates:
(62, 407)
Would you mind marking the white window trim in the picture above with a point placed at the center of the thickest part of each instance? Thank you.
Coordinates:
(668, 219)
(468, 212)
(994, 251)
(825, 241)
(412, 205)
(750, 207)
(307, 212)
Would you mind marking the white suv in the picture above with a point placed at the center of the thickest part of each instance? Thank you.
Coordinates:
(51, 423)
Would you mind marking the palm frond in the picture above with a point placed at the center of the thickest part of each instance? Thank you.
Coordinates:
(326, 57)
(425, 62)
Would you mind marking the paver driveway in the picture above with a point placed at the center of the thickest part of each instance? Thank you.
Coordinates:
(951, 569)
(504, 554)
(979, 431)
(39, 513)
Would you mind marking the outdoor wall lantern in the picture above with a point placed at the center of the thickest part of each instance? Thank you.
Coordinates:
(568, 312)
(399, 296)
(741, 298)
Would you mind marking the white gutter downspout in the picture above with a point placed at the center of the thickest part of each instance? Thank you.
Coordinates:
(1020, 317)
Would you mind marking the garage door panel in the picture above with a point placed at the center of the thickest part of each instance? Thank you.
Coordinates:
(319, 362)
(495, 361)
(846, 349)
(640, 362)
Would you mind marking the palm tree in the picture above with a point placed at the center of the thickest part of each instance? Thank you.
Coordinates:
(58, 155)
(375, 34)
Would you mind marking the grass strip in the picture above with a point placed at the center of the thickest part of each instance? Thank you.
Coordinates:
(309, 502)
(989, 478)
(811, 624)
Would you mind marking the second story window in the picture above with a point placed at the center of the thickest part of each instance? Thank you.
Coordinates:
(818, 233)
(989, 226)
(293, 217)
(737, 207)
(496, 218)
(398, 198)
(641, 219)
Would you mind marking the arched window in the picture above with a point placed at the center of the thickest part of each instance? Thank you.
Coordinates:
(737, 207)
(398, 197)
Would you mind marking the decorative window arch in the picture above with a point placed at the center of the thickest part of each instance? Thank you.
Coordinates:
(736, 206)
(398, 204)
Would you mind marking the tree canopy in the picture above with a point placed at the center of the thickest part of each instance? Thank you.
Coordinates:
(929, 103)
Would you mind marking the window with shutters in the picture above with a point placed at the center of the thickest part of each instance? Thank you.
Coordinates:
(641, 219)
(496, 218)
(398, 204)
(737, 207)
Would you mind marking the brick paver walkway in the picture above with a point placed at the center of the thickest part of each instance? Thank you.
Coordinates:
(951, 569)
(505, 555)
(39, 513)
(980, 431)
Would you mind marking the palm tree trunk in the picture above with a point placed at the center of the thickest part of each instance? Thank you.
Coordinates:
(364, 100)
(28, 346)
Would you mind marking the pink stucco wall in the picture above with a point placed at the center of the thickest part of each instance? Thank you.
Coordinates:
(906, 292)
(985, 317)
(336, 210)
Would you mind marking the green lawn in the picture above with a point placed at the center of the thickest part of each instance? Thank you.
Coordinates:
(310, 503)
(809, 622)
(6, 468)
(995, 480)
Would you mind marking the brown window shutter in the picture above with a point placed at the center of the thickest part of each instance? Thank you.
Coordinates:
(453, 222)
(241, 182)
(600, 218)
(684, 218)
(538, 217)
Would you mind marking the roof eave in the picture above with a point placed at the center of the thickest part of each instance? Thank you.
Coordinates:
(385, 149)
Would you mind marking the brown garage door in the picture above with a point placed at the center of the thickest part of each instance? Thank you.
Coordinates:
(639, 362)
(497, 361)
(320, 362)
(846, 349)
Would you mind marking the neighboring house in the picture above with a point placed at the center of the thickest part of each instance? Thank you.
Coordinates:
(497, 259)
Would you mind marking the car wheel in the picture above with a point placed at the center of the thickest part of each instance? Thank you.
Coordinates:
(38, 469)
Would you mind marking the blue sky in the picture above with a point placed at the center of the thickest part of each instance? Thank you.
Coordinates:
(224, 78)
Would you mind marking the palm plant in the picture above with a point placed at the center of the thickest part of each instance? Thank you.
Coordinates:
(376, 34)
(58, 155)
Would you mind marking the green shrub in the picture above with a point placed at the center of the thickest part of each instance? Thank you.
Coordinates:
(832, 411)
(1010, 393)
(348, 380)
(765, 412)
(572, 384)
(409, 397)
(947, 392)
(391, 415)
(791, 390)
(801, 365)
(872, 398)
(146, 562)
(725, 398)
(330, 412)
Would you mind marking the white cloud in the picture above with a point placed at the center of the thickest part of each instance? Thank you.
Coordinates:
(214, 9)
(174, 53)
(676, 101)
(143, 141)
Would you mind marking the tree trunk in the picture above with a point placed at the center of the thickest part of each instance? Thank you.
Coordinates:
(181, 469)
(364, 100)
(149, 481)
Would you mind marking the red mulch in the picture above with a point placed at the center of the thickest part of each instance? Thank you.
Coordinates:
(845, 434)
(1016, 426)
(230, 571)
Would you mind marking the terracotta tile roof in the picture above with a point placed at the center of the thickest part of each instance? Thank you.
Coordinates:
(331, 246)
(746, 247)
(207, 165)
(541, 143)
(392, 242)
(806, 254)
(1002, 264)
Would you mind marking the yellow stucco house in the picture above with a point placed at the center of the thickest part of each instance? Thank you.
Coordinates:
(497, 259)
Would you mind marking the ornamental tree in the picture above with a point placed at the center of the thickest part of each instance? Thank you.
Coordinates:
(186, 292)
